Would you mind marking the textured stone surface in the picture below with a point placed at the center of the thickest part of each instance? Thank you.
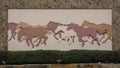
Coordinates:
(116, 24)
(74, 4)
(86, 65)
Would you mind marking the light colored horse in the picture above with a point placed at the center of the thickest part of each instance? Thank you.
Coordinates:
(67, 35)
(102, 26)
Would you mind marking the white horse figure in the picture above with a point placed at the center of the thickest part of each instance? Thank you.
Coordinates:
(67, 35)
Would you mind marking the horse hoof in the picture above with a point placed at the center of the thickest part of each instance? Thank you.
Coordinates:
(82, 45)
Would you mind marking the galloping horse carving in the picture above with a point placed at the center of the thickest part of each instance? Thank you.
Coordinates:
(33, 32)
(82, 32)
(60, 29)
(102, 26)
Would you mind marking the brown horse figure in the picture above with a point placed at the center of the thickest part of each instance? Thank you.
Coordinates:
(82, 32)
(53, 26)
(32, 32)
(102, 26)
(12, 27)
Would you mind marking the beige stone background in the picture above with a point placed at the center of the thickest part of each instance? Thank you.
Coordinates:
(64, 16)
(60, 4)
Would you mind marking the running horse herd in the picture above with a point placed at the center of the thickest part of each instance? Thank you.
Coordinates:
(62, 32)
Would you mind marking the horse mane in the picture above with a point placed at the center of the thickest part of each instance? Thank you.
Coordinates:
(104, 24)
(96, 24)
(75, 24)
(54, 22)
(12, 23)
(23, 24)
(89, 22)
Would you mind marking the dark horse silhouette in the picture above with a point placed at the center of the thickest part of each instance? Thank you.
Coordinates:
(82, 32)
(12, 27)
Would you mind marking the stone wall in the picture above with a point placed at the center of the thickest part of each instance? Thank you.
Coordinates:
(87, 65)
(57, 4)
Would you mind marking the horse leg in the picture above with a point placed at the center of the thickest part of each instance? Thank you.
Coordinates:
(88, 38)
(92, 41)
(40, 39)
(110, 38)
(106, 39)
(68, 39)
(11, 36)
(31, 43)
(36, 39)
(83, 42)
(27, 41)
(98, 42)
(60, 35)
(55, 36)
(60, 32)
(14, 34)
(45, 39)
(73, 38)
(102, 38)
(63, 39)
(96, 39)
(23, 39)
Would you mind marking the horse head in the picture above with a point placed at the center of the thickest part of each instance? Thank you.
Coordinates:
(70, 26)
(53, 25)
(22, 25)
(85, 23)
(49, 31)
